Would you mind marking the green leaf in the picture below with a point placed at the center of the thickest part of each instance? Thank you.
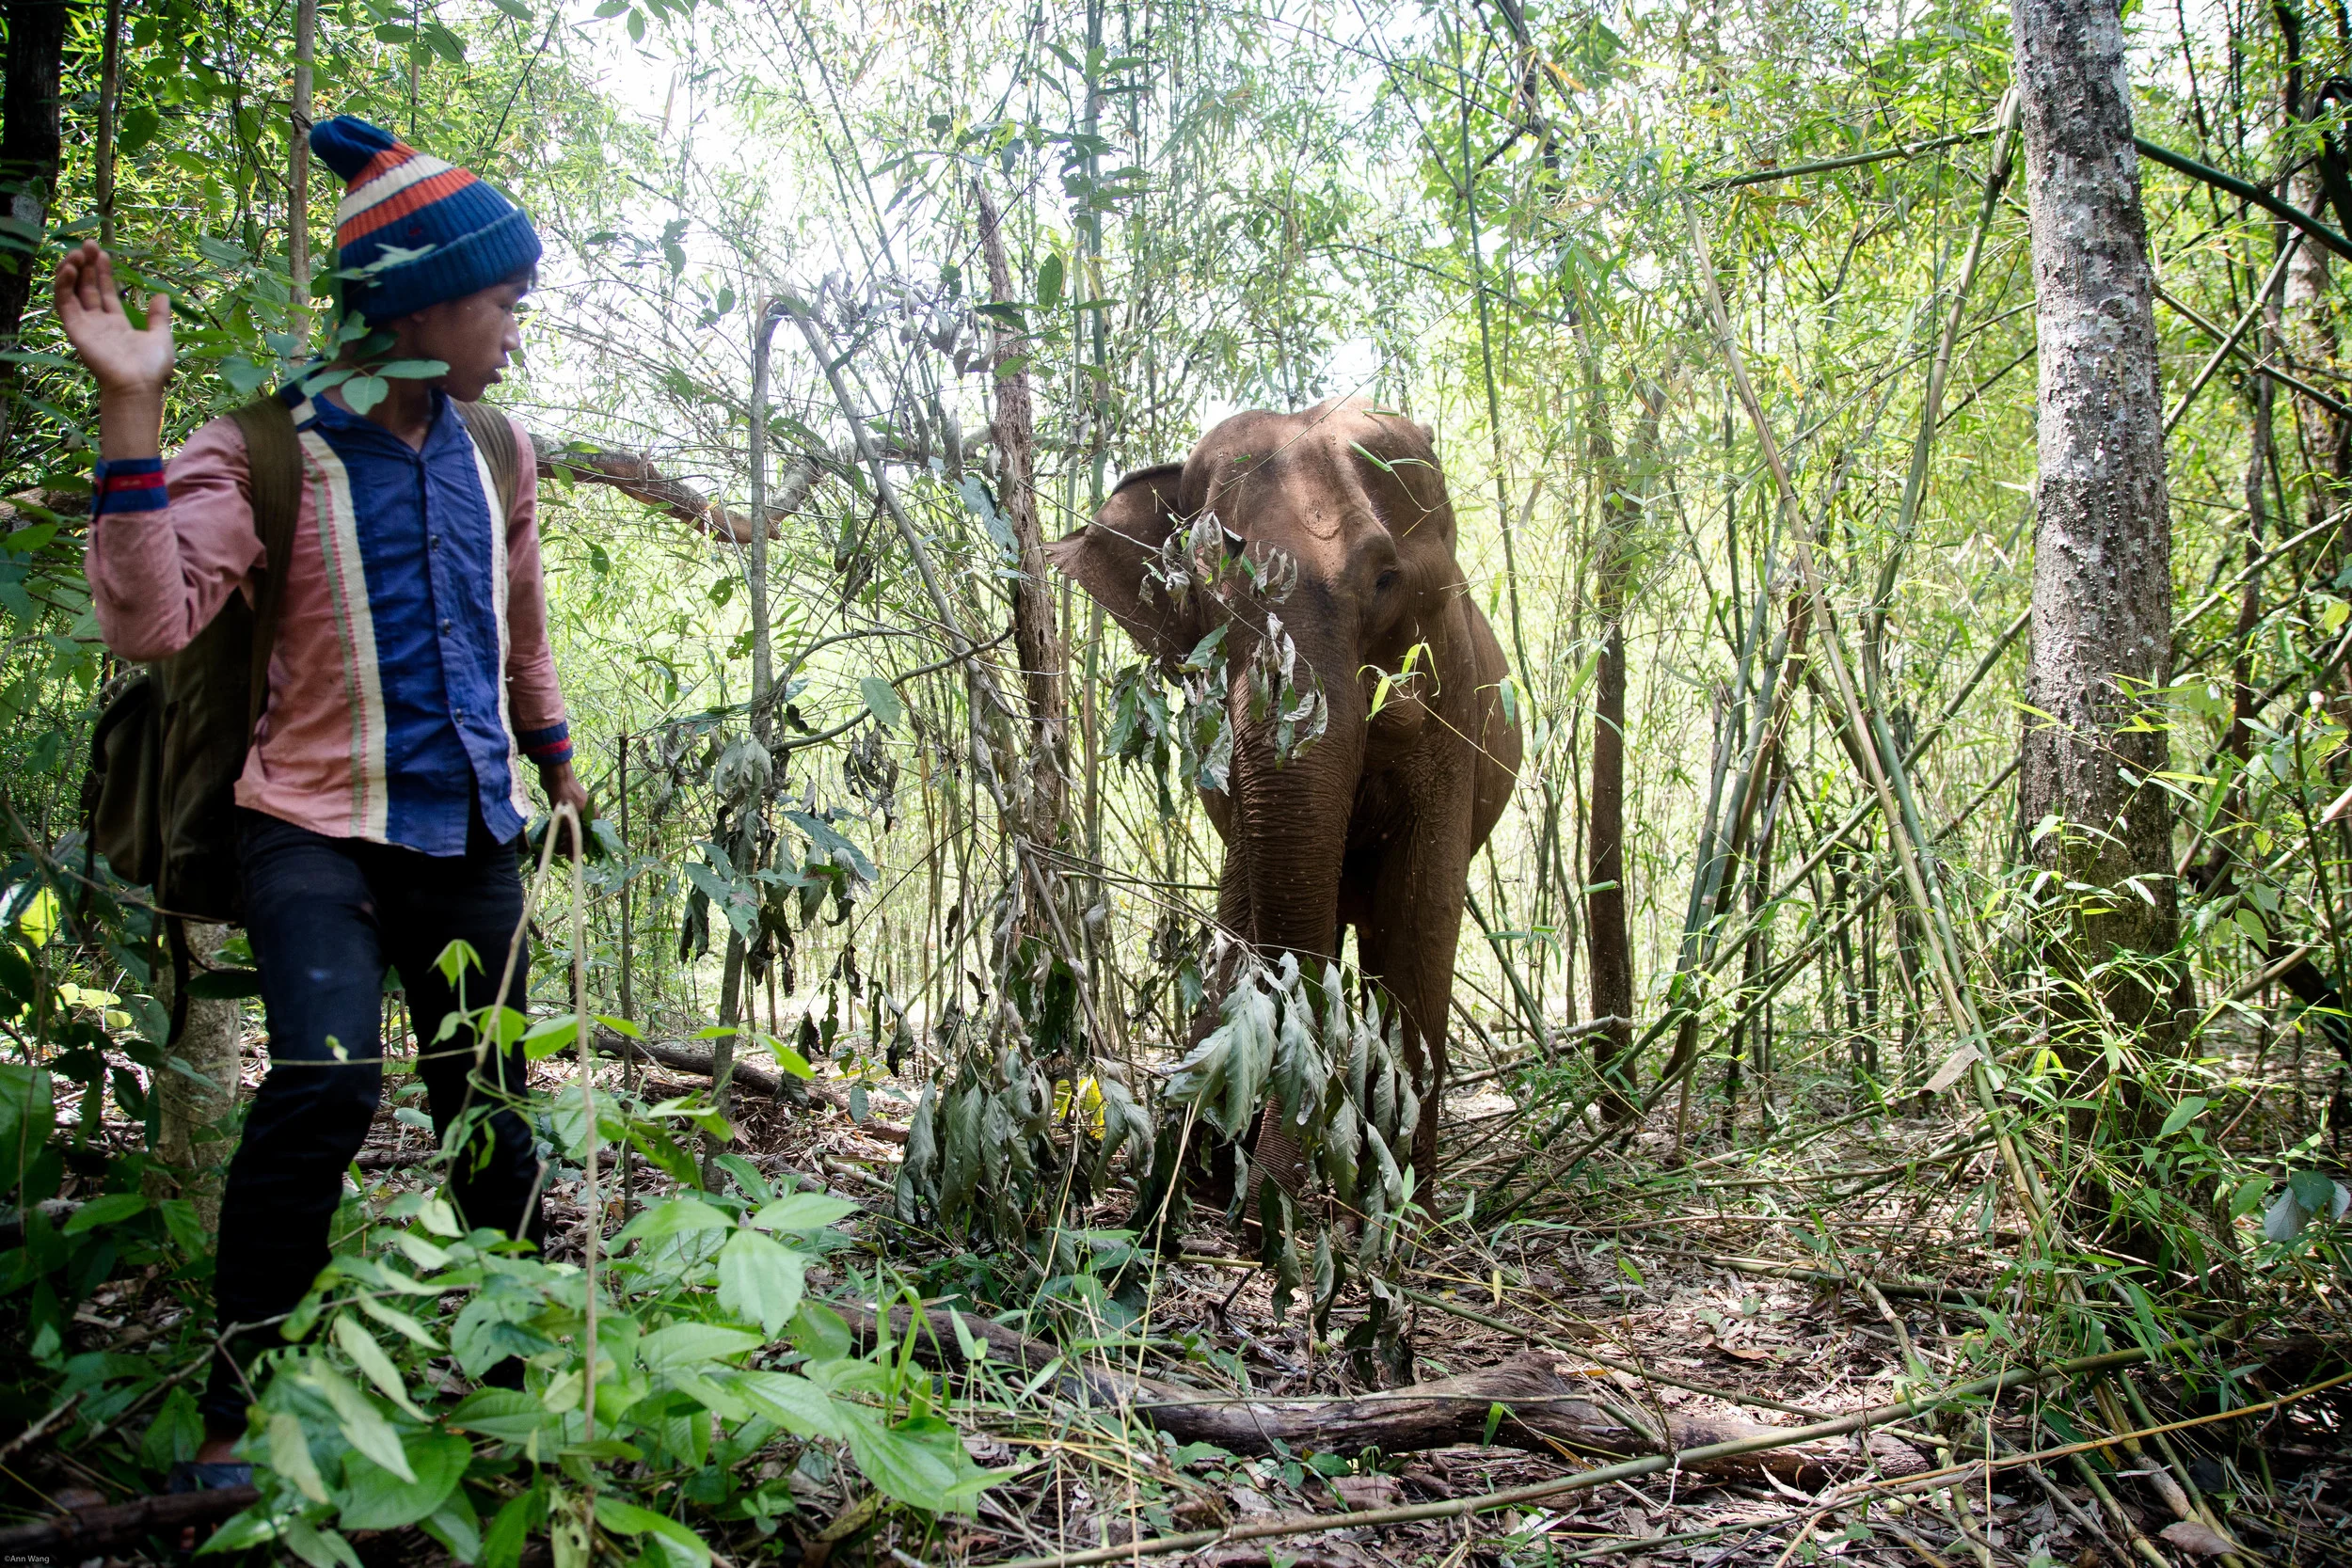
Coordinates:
(139, 125)
(502, 1547)
(243, 1532)
(2314, 1190)
(551, 1034)
(360, 1421)
(456, 1526)
(793, 1402)
(320, 1548)
(680, 1544)
(290, 1456)
(361, 1347)
(803, 1211)
(759, 1280)
(106, 1209)
(818, 1333)
(688, 1345)
(436, 1215)
(506, 1414)
(412, 370)
(28, 1114)
(243, 375)
(920, 1462)
(1049, 282)
(374, 1498)
(2185, 1112)
(398, 1322)
(679, 1216)
(2249, 1196)
(363, 392)
(882, 701)
(425, 1254)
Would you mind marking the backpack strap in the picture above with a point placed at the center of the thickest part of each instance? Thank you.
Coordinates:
(493, 436)
(274, 460)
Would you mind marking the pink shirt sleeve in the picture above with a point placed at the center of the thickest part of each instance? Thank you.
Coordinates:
(534, 702)
(157, 577)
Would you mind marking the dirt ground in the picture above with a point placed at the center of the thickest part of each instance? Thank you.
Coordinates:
(1735, 1279)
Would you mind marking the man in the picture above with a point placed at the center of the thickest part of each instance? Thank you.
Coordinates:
(382, 796)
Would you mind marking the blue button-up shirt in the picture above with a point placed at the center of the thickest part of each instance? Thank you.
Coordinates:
(431, 549)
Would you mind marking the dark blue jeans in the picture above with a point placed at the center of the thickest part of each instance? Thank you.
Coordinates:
(326, 917)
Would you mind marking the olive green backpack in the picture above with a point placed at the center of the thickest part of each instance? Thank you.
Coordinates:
(159, 798)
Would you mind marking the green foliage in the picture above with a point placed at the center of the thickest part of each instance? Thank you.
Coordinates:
(350, 1433)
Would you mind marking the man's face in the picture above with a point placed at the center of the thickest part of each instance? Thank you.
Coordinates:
(472, 336)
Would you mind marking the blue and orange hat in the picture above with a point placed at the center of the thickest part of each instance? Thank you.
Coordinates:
(468, 236)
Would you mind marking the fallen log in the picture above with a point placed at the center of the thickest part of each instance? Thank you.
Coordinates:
(1549, 1403)
(1599, 1475)
(87, 1533)
(682, 1058)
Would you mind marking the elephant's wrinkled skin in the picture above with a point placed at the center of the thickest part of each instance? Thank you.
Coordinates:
(1374, 827)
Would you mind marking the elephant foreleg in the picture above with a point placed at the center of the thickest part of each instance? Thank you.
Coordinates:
(1407, 945)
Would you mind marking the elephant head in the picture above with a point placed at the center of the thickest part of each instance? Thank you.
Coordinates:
(1341, 515)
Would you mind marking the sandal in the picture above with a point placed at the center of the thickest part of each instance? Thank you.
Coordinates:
(217, 1476)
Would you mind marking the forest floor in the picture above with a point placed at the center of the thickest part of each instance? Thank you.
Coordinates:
(1733, 1278)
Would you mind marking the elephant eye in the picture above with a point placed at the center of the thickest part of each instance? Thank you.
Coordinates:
(1385, 579)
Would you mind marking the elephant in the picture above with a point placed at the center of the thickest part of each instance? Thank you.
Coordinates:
(1374, 826)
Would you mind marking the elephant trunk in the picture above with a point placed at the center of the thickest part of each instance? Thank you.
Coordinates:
(1290, 829)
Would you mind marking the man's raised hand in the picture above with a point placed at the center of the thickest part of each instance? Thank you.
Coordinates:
(126, 359)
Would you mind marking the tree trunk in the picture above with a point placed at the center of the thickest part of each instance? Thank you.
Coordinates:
(28, 162)
(298, 170)
(2103, 566)
(109, 121)
(188, 1114)
(1609, 946)
(2310, 320)
(1035, 638)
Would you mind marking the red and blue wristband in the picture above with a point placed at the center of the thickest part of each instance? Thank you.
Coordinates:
(548, 747)
(129, 485)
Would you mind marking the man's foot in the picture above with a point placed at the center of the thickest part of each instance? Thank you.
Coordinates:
(216, 1467)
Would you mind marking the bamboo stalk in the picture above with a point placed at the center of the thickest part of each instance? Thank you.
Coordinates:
(1950, 981)
(567, 816)
(2228, 345)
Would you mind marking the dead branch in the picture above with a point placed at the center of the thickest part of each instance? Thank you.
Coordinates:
(1550, 1402)
(88, 1532)
(758, 1079)
(636, 475)
(1599, 1475)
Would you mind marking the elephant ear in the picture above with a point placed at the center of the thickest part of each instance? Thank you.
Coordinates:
(1112, 557)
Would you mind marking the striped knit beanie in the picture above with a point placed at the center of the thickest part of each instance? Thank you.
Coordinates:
(399, 199)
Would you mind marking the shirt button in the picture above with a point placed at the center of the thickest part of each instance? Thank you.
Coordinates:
(434, 543)
(460, 715)
(445, 623)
